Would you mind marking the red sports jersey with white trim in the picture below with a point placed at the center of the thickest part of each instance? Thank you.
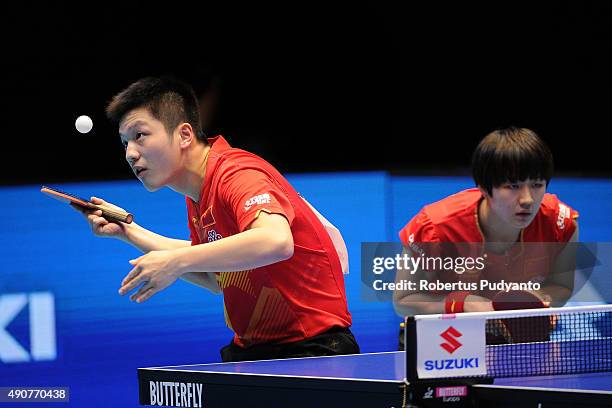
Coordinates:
(454, 219)
(284, 302)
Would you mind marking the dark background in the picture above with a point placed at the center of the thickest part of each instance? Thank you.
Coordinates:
(312, 87)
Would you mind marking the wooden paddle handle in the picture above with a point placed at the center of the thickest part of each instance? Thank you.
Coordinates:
(112, 214)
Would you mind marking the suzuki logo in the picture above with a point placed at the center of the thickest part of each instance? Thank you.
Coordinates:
(42, 327)
(450, 335)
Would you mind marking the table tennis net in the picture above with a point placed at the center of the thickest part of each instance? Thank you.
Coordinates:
(556, 341)
(561, 342)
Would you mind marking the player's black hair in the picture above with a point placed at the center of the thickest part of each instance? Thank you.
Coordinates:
(168, 99)
(511, 155)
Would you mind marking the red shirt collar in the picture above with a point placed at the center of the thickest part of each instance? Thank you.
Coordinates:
(218, 145)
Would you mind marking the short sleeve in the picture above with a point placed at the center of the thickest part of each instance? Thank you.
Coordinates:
(247, 192)
(420, 229)
(565, 224)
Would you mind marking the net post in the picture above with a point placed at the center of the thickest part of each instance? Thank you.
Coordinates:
(410, 340)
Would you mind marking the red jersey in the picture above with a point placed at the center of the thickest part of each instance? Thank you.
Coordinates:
(284, 302)
(455, 220)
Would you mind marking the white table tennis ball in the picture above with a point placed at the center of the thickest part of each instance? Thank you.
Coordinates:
(83, 124)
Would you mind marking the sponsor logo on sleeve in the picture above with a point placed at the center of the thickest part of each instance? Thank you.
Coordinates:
(414, 246)
(564, 212)
(257, 200)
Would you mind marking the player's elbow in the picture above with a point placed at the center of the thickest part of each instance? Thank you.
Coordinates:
(402, 306)
(278, 246)
(283, 246)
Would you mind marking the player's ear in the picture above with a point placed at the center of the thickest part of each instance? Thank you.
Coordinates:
(186, 134)
(484, 191)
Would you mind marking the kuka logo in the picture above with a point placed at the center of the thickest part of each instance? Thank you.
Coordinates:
(450, 335)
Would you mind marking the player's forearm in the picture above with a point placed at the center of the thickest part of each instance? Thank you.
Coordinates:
(419, 303)
(205, 280)
(146, 240)
(248, 250)
(423, 303)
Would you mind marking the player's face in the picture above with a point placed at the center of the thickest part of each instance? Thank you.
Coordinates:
(517, 204)
(152, 154)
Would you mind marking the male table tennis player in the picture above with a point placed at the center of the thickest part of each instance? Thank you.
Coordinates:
(509, 209)
(253, 238)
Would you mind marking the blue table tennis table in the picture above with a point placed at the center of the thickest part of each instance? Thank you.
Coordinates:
(363, 380)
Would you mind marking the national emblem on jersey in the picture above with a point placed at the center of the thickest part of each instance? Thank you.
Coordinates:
(206, 220)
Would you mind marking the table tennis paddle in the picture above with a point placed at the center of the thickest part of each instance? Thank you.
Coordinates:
(516, 299)
(111, 214)
(523, 329)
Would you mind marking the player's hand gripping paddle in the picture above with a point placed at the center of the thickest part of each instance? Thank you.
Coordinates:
(523, 329)
(110, 213)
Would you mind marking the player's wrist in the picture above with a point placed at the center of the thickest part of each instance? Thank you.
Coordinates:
(129, 234)
(454, 302)
(179, 262)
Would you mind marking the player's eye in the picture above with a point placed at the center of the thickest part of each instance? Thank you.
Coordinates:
(138, 135)
(538, 185)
